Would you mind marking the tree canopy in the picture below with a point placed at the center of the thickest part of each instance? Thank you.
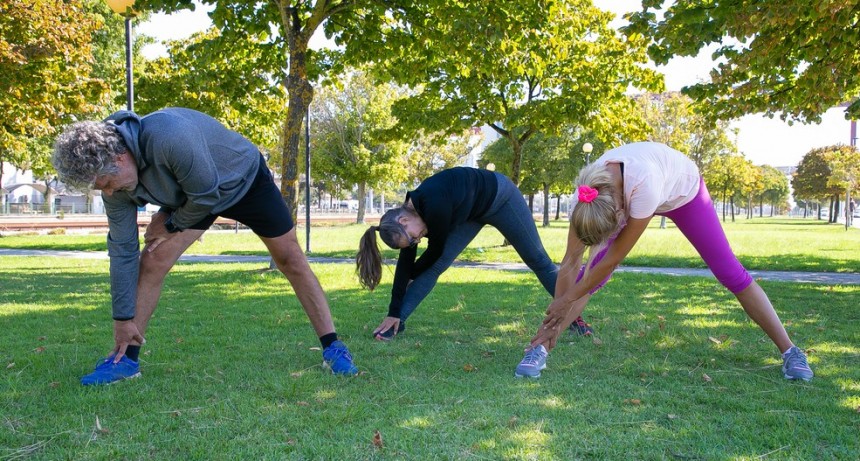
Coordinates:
(521, 67)
(45, 70)
(795, 58)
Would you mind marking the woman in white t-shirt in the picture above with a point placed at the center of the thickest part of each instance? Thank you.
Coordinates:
(618, 195)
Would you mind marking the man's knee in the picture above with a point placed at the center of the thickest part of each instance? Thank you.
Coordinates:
(153, 264)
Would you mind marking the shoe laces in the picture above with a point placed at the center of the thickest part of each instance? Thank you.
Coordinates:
(338, 352)
(533, 356)
(796, 359)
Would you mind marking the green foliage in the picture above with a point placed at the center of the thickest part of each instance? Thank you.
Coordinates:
(730, 176)
(227, 79)
(792, 58)
(521, 67)
(45, 70)
(348, 136)
(677, 121)
(774, 187)
(814, 178)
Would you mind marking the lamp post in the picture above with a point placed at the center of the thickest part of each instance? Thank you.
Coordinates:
(124, 8)
(587, 148)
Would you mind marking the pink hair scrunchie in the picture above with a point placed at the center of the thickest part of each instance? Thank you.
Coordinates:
(587, 194)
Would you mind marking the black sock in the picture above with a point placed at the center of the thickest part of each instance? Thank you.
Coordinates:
(326, 340)
(132, 352)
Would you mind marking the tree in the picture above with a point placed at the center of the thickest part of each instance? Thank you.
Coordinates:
(774, 189)
(794, 58)
(845, 167)
(45, 71)
(230, 85)
(430, 153)
(520, 67)
(286, 27)
(810, 181)
(728, 176)
(677, 121)
(549, 163)
(348, 135)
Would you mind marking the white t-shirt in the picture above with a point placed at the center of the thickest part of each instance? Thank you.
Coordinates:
(657, 178)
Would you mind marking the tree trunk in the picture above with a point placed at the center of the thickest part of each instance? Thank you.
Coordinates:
(545, 204)
(301, 93)
(558, 207)
(532, 203)
(732, 206)
(362, 192)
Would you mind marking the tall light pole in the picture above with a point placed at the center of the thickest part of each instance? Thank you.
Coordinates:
(124, 8)
(587, 148)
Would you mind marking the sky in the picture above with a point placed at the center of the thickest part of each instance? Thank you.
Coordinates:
(760, 139)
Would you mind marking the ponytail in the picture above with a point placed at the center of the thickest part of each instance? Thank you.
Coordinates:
(368, 261)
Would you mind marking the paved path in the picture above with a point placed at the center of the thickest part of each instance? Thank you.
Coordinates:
(826, 278)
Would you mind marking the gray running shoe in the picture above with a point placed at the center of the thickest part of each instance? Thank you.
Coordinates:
(533, 363)
(794, 365)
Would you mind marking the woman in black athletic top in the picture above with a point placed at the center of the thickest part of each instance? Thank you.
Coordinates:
(449, 208)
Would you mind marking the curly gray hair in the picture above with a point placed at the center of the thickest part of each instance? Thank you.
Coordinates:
(86, 150)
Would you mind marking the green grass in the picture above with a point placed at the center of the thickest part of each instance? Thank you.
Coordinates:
(231, 371)
(761, 244)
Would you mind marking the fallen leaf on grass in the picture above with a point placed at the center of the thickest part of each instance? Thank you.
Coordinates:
(706, 378)
(671, 416)
(39, 349)
(714, 340)
(99, 427)
(596, 341)
(11, 365)
(377, 439)
(469, 368)
(634, 402)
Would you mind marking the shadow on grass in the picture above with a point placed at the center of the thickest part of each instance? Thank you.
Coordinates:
(231, 371)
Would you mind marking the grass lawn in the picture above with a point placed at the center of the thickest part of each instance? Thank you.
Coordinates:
(232, 370)
(761, 244)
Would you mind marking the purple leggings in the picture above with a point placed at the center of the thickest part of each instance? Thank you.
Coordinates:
(698, 221)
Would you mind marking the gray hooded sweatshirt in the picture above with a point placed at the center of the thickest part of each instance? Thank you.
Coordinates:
(186, 160)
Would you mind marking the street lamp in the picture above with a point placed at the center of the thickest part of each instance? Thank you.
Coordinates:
(587, 148)
(124, 8)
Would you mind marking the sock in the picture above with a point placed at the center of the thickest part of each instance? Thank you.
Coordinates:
(327, 340)
(132, 352)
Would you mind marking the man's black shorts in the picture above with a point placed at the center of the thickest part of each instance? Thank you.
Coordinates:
(262, 209)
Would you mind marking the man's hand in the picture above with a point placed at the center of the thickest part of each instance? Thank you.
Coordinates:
(156, 233)
(125, 333)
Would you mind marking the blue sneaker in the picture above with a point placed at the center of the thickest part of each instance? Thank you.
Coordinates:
(794, 365)
(388, 334)
(533, 363)
(108, 372)
(338, 359)
(580, 328)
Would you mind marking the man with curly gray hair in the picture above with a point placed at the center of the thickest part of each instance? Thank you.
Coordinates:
(196, 170)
